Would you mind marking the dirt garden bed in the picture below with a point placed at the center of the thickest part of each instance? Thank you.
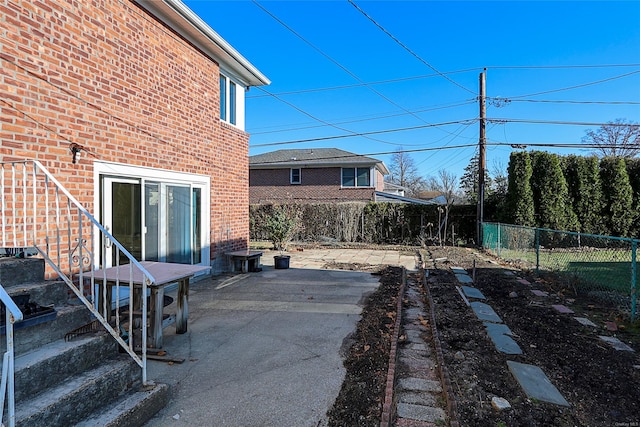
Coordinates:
(601, 384)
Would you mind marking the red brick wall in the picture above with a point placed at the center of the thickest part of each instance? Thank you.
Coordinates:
(108, 76)
(317, 185)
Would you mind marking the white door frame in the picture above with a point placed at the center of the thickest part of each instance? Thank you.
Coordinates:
(127, 173)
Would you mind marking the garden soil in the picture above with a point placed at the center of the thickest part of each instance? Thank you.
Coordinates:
(601, 384)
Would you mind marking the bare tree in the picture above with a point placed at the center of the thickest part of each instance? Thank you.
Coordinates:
(405, 173)
(446, 183)
(616, 139)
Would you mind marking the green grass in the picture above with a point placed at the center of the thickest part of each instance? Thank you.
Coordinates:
(604, 269)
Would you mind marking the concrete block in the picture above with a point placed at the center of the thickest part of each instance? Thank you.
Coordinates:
(616, 343)
(535, 383)
(485, 312)
(471, 292)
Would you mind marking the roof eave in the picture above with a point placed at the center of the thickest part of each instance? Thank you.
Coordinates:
(183, 20)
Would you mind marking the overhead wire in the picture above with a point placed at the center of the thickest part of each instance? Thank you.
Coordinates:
(382, 153)
(576, 86)
(367, 118)
(325, 138)
(405, 47)
(559, 101)
(342, 67)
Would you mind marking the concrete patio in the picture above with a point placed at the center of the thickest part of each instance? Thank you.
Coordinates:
(265, 348)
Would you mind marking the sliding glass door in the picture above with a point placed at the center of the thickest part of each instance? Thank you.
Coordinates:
(154, 220)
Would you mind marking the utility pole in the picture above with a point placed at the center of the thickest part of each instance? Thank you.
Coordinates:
(482, 163)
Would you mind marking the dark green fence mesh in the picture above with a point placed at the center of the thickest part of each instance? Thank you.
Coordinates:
(602, 266)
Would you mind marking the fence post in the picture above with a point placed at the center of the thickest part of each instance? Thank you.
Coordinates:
(634, 247)
(498, 245)
(537, 250)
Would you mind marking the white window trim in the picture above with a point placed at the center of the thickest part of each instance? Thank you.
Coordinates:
(299, 181)
(240, 101)
(167, 176)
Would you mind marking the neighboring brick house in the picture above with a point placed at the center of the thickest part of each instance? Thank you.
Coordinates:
(137, 108)
(314, 175)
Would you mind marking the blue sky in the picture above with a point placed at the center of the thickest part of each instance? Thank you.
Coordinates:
(397, 70)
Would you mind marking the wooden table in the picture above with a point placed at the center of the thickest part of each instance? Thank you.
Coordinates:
(164, 274)
(245, 257)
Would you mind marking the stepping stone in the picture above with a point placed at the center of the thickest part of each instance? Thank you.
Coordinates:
(464, 278)
(472, 292)
(562, 309)
(421, 398)
(524, 282)
(420, 412)
(535, 383)
(419, 384)
(500, 335)
(414, 336)
(485, 312)
(458, 270)
(585, 321)
(611, 326)
(539, 293)
(616, 343)
(509, 273)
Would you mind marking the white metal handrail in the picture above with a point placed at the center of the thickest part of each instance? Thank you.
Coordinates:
(38, 212)
(7, 387)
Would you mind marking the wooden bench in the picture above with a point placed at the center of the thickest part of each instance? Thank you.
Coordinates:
(249, 260)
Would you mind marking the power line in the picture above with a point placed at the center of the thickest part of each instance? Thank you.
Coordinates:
(558, 101)
(370, 118)
(534, 67)
(405, 47)
(468, 121)
(379, 82)
(521, 145)
(342, 67)
(382, 153)
(553, 122)
(577, 86)
(319, 120)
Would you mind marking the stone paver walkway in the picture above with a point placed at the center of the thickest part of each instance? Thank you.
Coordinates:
(418, 391)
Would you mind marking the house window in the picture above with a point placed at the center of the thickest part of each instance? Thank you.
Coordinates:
(356, 177)
(295, 176)
(229, 100)
(223, 98)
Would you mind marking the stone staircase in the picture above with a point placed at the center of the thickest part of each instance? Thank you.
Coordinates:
(83, 381)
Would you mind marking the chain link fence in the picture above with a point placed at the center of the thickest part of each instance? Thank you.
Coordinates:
(601, 266)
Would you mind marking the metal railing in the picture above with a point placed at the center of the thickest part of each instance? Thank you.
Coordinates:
(37, 211)
(7, 387)
(603, 266)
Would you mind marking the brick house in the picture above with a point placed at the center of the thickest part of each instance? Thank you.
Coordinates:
(137, 109)
(314, 175)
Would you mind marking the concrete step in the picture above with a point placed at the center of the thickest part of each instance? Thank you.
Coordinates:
(55, 362)
(30, 338)
(16, 271)
(133, 410)
(43, 293)
(80, 396)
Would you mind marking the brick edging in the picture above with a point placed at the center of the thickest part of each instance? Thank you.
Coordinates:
(452, 407)
(387, 406)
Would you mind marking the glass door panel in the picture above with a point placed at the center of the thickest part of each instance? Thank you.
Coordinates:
(122, 218)
(178, 220)
(151, 221)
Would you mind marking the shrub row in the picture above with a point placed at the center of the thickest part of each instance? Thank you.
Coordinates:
(573, 193)
(375, 223)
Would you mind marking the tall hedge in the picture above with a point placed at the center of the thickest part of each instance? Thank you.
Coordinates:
(519, 203)
(550, 195)
(379, 223)
(585, 192)
(618, 196)
(633, 170)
